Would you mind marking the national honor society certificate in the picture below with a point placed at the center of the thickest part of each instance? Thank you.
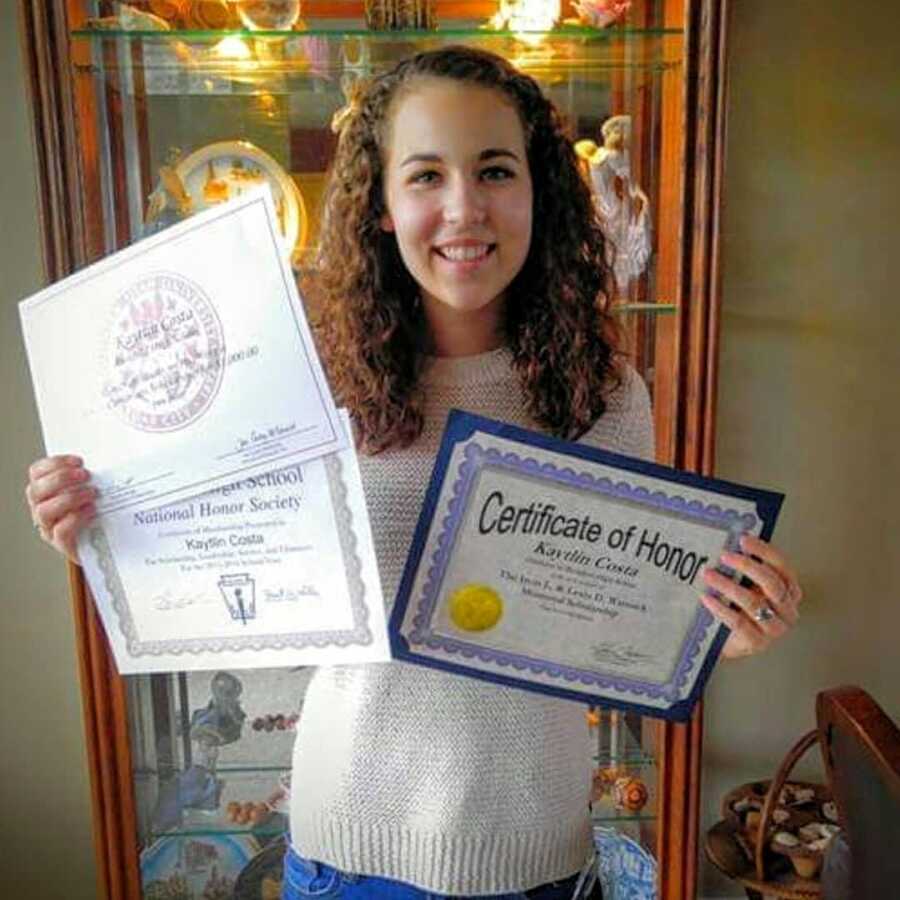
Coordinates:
(556, 567)
(181, 363)
(232, 527)
(276, 569)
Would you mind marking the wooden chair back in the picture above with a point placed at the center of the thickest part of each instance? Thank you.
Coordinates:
(861, 748)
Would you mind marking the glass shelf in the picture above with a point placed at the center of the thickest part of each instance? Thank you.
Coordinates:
(323, 47)
(624, 309)
(225, 771)
(198, 822)
(336, 29)
(274, 827)
(633, 759)
(603, 814)
(460, 27)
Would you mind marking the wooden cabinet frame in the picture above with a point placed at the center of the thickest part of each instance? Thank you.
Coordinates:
(67, 139)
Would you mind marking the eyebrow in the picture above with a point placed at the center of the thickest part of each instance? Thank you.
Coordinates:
(489, 153)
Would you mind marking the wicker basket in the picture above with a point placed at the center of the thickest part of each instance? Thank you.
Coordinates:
(754, 813)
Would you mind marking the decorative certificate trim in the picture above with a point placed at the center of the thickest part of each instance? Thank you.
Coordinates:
(360, 634)
(477, 458)
(413, 632)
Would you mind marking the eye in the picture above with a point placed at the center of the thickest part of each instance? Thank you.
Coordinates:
(426, 176)
(497, 173)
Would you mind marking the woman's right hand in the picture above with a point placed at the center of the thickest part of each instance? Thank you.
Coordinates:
(61, 501)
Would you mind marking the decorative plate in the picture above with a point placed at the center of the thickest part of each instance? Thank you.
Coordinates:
(627, 870)
(224, 170)
(181, 867)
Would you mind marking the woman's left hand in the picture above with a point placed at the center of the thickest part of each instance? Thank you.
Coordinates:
(763, 611)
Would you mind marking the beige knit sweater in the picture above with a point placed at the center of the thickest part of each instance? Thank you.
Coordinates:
(452, 784)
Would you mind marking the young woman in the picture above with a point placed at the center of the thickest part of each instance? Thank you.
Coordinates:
(461, 266)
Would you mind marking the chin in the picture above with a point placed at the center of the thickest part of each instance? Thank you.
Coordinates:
(465, 301)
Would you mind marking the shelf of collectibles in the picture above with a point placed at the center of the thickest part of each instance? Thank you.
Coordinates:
(167, 107)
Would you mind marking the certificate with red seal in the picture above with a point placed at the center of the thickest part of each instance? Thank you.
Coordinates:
(555, 567)
(183, 362)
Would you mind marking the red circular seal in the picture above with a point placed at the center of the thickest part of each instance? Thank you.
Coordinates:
(165, 353)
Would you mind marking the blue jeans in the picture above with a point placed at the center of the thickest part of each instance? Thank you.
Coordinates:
(307, 878)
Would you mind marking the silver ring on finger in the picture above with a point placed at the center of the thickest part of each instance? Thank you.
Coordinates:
(764, 614)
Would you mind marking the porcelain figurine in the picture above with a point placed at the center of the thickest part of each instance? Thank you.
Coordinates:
(622, 206)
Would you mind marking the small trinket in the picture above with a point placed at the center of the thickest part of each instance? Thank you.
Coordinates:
(248, 813)
(630, 794)
(599, 13)
(796, 795)
(277, 722)
(781, 815)
(391, 15)
(786, 839)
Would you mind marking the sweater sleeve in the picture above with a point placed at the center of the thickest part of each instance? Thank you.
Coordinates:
(627, 425)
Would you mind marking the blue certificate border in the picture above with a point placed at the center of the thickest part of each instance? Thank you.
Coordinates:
(575, 684)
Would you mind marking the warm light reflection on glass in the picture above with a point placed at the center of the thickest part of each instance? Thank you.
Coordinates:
(232, 48)
(527, 19)
(267, 105)
(268, 15)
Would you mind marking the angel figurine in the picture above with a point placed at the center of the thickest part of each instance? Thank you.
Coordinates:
(622, 207)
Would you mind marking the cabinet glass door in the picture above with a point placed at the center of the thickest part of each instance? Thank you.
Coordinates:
(190, 115)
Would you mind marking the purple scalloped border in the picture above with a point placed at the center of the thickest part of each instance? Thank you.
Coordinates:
(476, 458)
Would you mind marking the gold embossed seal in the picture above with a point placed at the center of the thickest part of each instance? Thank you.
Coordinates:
(475, 607)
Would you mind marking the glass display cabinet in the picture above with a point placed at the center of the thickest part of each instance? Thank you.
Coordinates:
(149, 111)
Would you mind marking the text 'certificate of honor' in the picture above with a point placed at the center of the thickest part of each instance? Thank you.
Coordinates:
(181, 363)
(560, 568)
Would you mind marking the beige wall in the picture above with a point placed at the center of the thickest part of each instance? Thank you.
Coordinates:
(808, 404)
(810, 366)
(45, 831)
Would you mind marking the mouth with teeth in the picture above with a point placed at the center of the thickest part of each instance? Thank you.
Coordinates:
(468, 255)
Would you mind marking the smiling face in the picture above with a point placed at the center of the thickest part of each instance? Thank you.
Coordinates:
(458, 194)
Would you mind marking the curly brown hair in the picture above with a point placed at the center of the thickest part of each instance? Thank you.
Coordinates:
(371, 326)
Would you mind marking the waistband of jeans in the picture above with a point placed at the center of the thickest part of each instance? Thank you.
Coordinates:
(565, 882)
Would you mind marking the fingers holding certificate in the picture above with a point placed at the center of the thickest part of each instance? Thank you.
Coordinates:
(179, 379)
(161, 364)
(559, 568)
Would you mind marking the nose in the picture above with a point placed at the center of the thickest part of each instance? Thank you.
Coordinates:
(465, 202)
